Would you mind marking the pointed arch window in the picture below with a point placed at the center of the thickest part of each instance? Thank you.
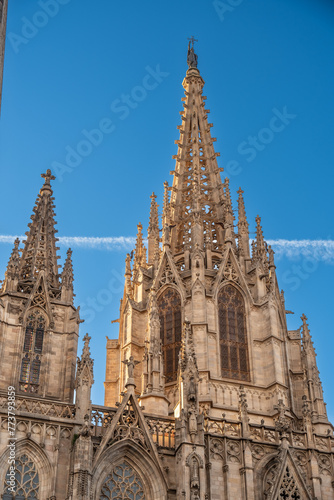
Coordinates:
(123, 483)
(169, 304)
(232, 334)
(32, 352)
(26, 481)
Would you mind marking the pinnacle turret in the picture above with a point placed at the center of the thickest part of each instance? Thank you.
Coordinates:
(140, 250)
(228, 213)
(67, 279)
(39, 255)
(153, 230)
(243, 232)
(259, 248)
(12, 272)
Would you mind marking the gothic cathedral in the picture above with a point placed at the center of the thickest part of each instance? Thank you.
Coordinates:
(208, 395)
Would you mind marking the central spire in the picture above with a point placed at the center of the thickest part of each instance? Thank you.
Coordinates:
(197, 194)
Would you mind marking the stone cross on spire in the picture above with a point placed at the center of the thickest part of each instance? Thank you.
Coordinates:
(47, 178)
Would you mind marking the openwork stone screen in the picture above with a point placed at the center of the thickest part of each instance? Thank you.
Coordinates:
(232, 334)
(122, 484)
(170, 331)
(288, 489)
(32, 351)
(26, 479)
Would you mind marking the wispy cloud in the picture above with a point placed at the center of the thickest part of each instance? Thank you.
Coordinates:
(89, 242)
(320, 250)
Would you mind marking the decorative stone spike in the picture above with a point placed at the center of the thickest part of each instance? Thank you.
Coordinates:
(67, 279)
(84, 381)
(140, 251)
(12, 272)
(314, 386)
(153, 230)
(243, 232)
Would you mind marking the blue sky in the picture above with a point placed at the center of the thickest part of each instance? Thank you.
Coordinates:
(69, 71)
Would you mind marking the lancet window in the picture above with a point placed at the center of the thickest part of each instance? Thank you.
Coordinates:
(24, 485)
(232, 334)
(32, 352)
(123, 483)
(169, 304)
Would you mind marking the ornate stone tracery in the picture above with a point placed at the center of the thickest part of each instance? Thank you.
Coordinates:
(32, 351)
(26, 480)
(123, 483)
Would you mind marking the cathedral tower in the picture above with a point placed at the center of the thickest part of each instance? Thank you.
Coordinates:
(39, 323)
(204, 316)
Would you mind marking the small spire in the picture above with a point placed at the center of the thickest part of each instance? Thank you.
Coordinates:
(192, 58)
(140, 251)
(128, 276)
(166, 215)
(307, 339)
(243, 232)
(14, 261)
(153, 229)
(242, 219)
(12, 272)
(67, 278)
(228, 213)
(40, 250)
(259, 246)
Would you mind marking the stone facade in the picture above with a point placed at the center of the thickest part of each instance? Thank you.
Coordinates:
(207, 393)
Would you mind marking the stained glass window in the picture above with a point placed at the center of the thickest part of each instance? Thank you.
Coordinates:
(123, 483)
(232, 334)
(169, 304)
(26, 482)
(32, 349)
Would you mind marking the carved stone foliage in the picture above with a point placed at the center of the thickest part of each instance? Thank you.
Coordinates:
(223, 428)
(259, 451)
(301, 460)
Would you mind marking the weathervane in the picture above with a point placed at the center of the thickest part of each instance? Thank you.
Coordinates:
(191, 57)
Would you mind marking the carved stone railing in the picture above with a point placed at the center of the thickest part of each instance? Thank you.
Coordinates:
(40, 407)
(162, 430)
(101, 419)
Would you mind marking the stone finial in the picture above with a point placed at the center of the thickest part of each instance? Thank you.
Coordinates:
(47, 178)
(85, 364)
(67, 278)
(140, 250)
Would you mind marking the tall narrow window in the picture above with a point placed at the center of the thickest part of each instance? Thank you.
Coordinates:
(32, 352)
(232, 334)
(26, 481)
(169, 304)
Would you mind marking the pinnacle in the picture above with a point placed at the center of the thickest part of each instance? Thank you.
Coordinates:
(47, 178)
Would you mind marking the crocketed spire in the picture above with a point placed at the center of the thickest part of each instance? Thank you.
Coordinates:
(40, 250)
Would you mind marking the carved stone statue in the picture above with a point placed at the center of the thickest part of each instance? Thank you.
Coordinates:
(192, 390)
(130, 363)
(191, 57)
